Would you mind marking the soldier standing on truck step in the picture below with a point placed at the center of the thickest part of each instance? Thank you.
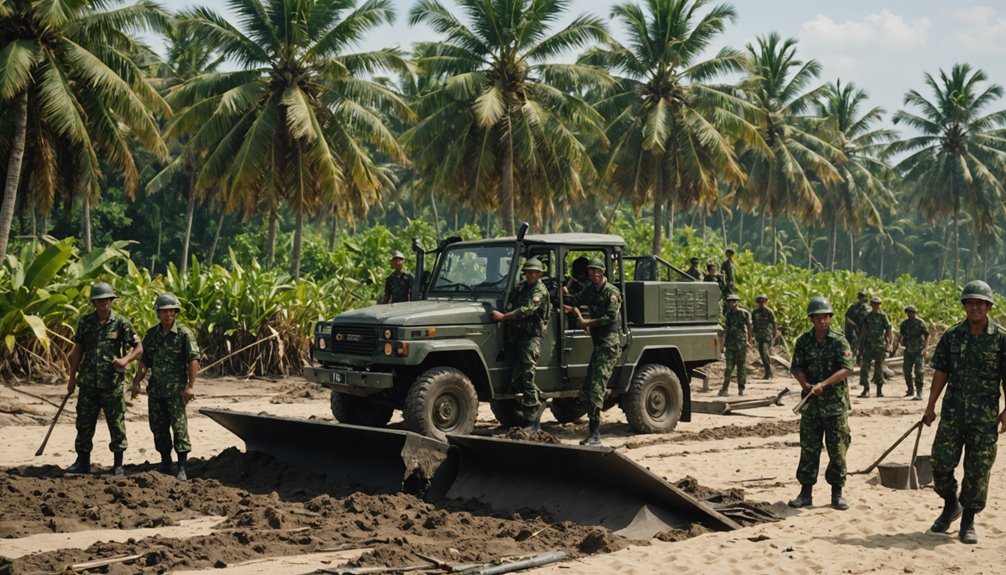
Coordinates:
(398, 284)
(604, 304)
(875, 339)
(528, 310)
(914, 335)
(822, 360)
(736, 339)
(765, 332)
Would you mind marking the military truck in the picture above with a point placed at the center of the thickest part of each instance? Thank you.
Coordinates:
(437, 357)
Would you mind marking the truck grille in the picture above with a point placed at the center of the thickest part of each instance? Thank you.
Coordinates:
(353, 339)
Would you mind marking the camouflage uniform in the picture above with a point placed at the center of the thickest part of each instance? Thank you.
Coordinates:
(827, 415)
(873, 332)
(727, 270)
(694, 272)
(764, 323)
(531, 307)
(856, 313)
(168, 357)
(398, 287)
(100, 384)
(913, 337)
(735, 348)
(976, 366)
(605, 306)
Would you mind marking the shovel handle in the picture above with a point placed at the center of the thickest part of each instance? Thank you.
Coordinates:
(913, 474)
(52, 425)
(918, 424)
(803, 400)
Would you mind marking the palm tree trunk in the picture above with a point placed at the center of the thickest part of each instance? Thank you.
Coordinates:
(658, 219)
(436, 212)
(832, 244)
(333, 228)
(740, 232)
(189, 214)
(14, 162)
(671, 210)
(723, 226)
(297, 234)
(775, 242)
(87, 219)
(271, 241)
(216, 237)
(506, 189)
(957, 231)
(852, 251)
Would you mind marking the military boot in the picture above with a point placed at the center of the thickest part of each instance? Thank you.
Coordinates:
(117, 469)
(968, 534)
(534, 423)
(180, 472)
(837, 501)
(909, 393)
(805, 499)
(865, 392)
(594, 437)
(740, 391)
(880, 392)
(951, 511)
(82, 464)
(165, 466)
(724, 391)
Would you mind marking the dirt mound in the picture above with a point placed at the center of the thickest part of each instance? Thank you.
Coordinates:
(540, 436)
(763, 429)
(885, 412)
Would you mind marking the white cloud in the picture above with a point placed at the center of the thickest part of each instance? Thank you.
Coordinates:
(883, 29)
(983, 30)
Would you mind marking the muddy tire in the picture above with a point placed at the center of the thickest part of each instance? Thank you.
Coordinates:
(567, 409)
(508, 413)
(441, 401)
(654, 401)
(360, 410)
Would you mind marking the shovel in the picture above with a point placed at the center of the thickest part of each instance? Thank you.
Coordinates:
(873, 465)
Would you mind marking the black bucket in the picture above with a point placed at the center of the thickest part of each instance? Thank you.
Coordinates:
(895, 475)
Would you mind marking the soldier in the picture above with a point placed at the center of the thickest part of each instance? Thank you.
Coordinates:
(854, 317)
(875, 339)
(398, 284)
(577, 275)
(604, 304)
(529, 309)
(765, 332)
(914, 335)
(693, 270)
(728, 272)
(104, 344)
(172, 357)
(970, 362)
(736, 339)
(712, 276)
(821, 361)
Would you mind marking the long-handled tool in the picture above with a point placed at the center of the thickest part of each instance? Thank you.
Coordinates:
(913, 474)
(796, 408)
(918, 424)
(41, 448)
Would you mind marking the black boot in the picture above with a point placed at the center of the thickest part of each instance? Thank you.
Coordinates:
(117, 469)
(968, 534)
(837, 501)
(82, 464)
(165, 466)
(880, 391)
(594, 438)
(909, 393)
(865, 392)
(534, 423)
(180, 472)
(724, 391)
(805, 499)
(951, 511)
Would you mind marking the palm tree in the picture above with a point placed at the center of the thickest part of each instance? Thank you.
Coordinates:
(72, 92)
(956, 159)
(505, 123)
(863, 188)
(300, 121)
(671, 132)
(780, 181)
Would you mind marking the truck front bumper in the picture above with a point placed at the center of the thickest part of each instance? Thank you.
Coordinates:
(361, 383)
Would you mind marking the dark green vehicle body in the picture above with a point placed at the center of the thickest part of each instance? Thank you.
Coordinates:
(436, 357)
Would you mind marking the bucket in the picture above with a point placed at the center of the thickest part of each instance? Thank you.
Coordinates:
(895, 475)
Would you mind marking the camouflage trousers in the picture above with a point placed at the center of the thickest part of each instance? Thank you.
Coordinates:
(978, 442)
(527, 349)
(764, 349)
(112, 401)
(602, 363)
(736, 358)
(874, 359)
(167, 414)
(913, 366)
(834, 431)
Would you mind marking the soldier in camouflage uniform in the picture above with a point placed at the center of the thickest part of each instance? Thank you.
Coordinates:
(914, 335)
(765, 332)
(729, 272)
(398, 284)
(970, 362)
(104, 344)
(171, 356)
(528, 310)
(854, 318)
(875, 339)
(822, 360)
(693, 270)
(604, 304)
(736, 339)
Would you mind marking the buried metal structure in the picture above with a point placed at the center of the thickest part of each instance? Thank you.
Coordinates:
(585, 485)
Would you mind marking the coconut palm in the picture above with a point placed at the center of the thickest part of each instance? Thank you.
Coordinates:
(505, 123)
(956, 159)
(671, 131)
(72, 92)
(300, 120)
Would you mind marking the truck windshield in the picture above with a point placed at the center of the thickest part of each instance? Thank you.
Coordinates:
(479, 268)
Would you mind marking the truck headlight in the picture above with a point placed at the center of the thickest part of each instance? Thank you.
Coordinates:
(322, 344)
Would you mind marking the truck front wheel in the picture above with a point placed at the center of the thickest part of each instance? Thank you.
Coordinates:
(360, 410)
(567, 409)
(441, 401)
(654, 401)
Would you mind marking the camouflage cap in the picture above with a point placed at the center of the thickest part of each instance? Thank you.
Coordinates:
(533, 264)
(102, 290)
(596, 263)
(733, 297)
(397, 255)
(910, 309)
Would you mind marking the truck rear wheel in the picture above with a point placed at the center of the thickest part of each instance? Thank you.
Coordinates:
(441, 401)
(654, 401)
(567, 409)
(356, 410)
(508, 413)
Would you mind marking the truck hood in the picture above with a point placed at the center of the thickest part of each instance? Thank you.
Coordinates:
(415, 313)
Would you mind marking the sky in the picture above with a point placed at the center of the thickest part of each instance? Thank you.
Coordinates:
(883, 46)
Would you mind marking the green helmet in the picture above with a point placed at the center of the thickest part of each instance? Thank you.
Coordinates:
(733, 297)
(596, 263)
(819, 304)
(761, 297)
(166, 301)
(102, 290)
(910, 308)
(534, 264)
(977, 289)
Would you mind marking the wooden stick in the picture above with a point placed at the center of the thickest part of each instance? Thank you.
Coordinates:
(275, 334)
(889, 450)
(102, 562)
(913, 475)
(41, 448)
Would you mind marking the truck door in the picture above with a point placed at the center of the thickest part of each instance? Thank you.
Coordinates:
(549, 375)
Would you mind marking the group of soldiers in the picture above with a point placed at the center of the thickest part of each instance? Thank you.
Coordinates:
(104, 344)
(869, 333)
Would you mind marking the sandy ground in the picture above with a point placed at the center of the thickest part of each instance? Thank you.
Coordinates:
(293, 529)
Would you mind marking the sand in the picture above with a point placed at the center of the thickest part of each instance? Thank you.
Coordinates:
(241, 513)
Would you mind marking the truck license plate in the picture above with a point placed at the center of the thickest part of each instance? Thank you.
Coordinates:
(338, 377)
